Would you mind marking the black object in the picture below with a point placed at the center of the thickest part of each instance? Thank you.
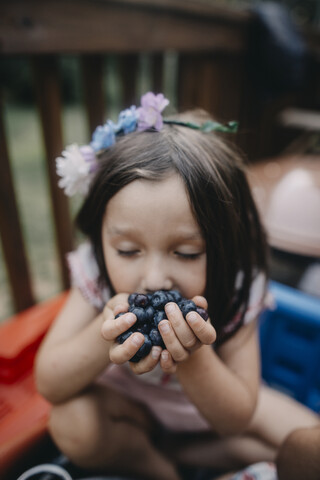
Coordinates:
(277, 51)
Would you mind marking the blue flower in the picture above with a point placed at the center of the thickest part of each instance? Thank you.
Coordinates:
(103, 136)
(127, 120)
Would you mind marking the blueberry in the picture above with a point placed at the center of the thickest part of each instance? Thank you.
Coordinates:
(156, 338)
(144, 328)
(141, 300)
(159, 299)
(143, 351)
(170, 298)
(187, 306)
(158, 316)
(150, 311)
(136, 358)
(119, 314)
(140, 313)
(131, 298)
(176, 296)
(123, 336)
(203, 313)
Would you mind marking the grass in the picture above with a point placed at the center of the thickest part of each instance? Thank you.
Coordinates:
(32, 192)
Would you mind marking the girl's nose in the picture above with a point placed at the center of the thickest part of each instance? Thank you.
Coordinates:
(157, 275)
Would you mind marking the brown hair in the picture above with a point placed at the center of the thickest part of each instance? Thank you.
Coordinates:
(219, 195)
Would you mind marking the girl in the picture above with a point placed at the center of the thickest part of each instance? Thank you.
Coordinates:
(168, 208)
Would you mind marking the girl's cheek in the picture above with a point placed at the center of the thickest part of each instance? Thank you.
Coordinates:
(194, 282)
(123, 278)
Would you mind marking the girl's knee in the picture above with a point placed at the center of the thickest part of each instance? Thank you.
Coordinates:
(73, 428)
(86, 437)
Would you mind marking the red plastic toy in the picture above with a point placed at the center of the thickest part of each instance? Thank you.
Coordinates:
(23, 412)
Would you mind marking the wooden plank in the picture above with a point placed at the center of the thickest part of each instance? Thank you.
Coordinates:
(157, 72)
(227, 85)
(92, 70)
(48, 97)
(213, 82)
(192, 7)
(198, 85)
(11, 234)
(187, 81)
(209, 91)
(56, 26)
(216, 83)
(128, 68)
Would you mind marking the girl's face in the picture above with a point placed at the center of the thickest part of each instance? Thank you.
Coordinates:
(151, 240)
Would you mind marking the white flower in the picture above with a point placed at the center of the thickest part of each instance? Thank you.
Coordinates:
(75, 170)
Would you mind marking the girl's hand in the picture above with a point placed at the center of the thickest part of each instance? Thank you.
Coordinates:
(113, 327)
(147, 363)
(182, 337)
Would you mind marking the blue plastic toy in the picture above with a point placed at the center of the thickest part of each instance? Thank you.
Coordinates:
(290, 344)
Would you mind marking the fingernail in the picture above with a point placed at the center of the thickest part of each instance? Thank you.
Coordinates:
(191, 317)
(155, 352)
(165, 355)
(129, 318)
(170, 307)
(164, 327)
(136, 340)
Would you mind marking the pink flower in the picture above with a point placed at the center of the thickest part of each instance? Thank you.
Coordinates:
(150, 111)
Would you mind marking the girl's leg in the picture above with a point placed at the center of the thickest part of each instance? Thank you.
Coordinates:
(103, 431)
(221, 454)
(277, 415)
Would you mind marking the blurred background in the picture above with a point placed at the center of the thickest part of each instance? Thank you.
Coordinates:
(67, 66)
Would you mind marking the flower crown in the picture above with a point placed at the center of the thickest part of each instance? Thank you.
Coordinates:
(77, 165)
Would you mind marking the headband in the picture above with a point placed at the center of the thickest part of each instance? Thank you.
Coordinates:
(77, 164)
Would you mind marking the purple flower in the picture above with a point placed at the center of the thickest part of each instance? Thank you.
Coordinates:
(103, 136)
(150, 111)
(127, 120)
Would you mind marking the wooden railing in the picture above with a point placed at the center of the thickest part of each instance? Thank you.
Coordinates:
(211, 47)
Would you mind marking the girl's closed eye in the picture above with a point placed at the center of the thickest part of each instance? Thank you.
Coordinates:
(127, 253)
(188, 256)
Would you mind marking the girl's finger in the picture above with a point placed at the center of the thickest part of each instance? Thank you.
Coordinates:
(119, 299)
(112, 327)
(121, 353)
(166, 362)
(173, 345)
(181, 328)
(200, 301)
(120, 308)
(147, 363)
(203, 330)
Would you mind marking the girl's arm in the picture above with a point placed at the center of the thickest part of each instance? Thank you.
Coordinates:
(73, 352)
(224, 384)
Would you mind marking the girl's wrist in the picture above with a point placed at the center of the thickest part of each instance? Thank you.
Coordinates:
(193, 359)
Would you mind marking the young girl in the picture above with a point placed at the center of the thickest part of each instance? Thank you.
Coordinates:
(168, 207)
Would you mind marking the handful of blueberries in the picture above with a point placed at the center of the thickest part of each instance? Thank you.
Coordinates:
(149, 310)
